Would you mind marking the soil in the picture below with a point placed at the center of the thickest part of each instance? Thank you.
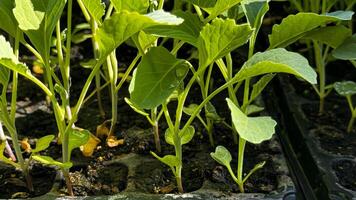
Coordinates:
(346, 173)
(12, 183)
(105, 173)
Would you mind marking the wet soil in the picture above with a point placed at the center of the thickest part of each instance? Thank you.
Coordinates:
(12, 184)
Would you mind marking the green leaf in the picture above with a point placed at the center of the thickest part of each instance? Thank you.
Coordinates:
(169, 136)
(9, 60)
(347, 50)
(220, 7)
(121, 26)
(255, 11)
(140, 6)
(27, 15)
(252, 109)
(4, 158)
(6, 50)
(211, 113)
(43, 143)
(190, 109)
(251, 129)
(291, 29)
(46, 160)
(38, 18)
(77, 138)
(203, 3)
(136, 108)
(222, 156)
(345, 88)
(157, 76)
(96, 9)
(260, 85)
(277, 60)
(8, 22)
(144, 41)
(339, 34)
(187, 135)
(219, 38)
(170, 160)
(188, 31)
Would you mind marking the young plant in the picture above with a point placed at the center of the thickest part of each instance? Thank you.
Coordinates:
(162, 74)
(46, 14)
(319, 25)
(348, 89)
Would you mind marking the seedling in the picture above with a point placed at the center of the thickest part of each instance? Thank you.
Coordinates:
(317, 34)
(348, 89)
(165, 75)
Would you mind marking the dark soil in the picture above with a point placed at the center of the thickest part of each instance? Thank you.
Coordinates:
(12, 184)
(346, 173)
(330, 127)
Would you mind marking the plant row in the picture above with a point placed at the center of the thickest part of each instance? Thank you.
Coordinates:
(213, 29)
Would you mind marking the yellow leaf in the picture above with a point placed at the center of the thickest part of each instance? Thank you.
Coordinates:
(102, 131)
(89, 148)
(25, 145)
(113, 142)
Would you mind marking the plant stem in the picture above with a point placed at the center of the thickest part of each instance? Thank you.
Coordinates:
(321, 70)
(353, 114)
(155, 128)
(240, 163)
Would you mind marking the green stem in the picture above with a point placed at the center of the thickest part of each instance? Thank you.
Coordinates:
(127, 72)
(160, 5)
(353, 114)
(155, 128)
(321, 70)
(240, 164)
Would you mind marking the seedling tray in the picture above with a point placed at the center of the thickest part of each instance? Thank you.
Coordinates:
(315, 172)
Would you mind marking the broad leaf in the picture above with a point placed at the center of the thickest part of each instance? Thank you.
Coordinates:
(211, 113)
(9, 60)
(220, 7)
(291, 29)
(96, 9)
(219, 38)
(187, 135)
(169, 136)
(260, 85)
(254, 11)
(140, 6)
(170, 160)
(345, 88)
(157, 76)
(222, 156)
(121, 26)
(136, 108)
(46, 160)
(8, 22)
(190, 109)
(77, 138)
(332, 36)
(43, 143)
(188, 31)
(251, 129)
(203, 3)
(38, 18)
(277, 60)
(5, 53)
(347, 50)
(252, 109)
(144, 41)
